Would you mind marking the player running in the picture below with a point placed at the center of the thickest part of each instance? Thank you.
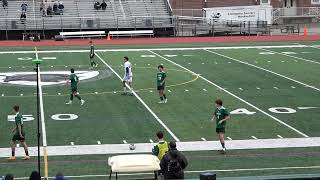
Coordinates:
(161, 84)
(221, 115)
(19, 135)
(74, 80)
(92, 62)
(127, 79)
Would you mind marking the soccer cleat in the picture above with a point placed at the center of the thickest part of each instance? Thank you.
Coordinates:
(12, 158)
(69, 102)
(223, 151)
(82, 102)
(160, 102)
(96, 65)
(166, 100)
(26, 158)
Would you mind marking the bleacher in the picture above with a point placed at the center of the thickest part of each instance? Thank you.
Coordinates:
(80, 14)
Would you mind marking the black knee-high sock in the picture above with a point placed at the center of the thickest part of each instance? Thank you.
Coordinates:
(223, 145)
(161, 98)
(13, 152)
(71, 97)
(27, 153)
(164, 95)
(94, 62)
(77, 96)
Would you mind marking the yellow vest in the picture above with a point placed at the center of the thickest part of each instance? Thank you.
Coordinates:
(163, 149)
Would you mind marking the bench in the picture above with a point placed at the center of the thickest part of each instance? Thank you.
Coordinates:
(82, 34)
(131, 33)
(134, 163)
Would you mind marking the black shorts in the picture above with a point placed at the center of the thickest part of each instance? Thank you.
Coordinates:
(74, 90)
(17, 137)
(161, 87)
(220, 130)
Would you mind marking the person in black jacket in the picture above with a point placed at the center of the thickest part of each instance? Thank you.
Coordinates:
(173, 163)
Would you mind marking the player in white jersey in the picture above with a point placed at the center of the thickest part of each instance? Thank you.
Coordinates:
(127, 79)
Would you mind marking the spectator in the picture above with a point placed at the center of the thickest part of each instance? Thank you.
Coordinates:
(9, 177)
(42, 6)
(103, 5)
(23, 18)
(4, 4)
(161, 148)
(60, 176)
(35, 176)
(96, 5)
(55, 8)
(49, 10)
(173, 163)
(60, 7)
(24, 7)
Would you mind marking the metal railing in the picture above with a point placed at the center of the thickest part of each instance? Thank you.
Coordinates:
(63, 22)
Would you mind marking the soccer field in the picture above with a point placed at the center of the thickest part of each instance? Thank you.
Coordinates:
(272, 91)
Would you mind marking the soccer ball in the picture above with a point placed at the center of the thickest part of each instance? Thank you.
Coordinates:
(132, 147)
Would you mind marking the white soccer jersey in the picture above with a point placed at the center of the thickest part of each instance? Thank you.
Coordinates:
(129, 66)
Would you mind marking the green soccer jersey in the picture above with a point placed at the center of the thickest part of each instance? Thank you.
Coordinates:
(18, 120)
(160, 77)
(91, 51)
(74, 80)
(221, 113)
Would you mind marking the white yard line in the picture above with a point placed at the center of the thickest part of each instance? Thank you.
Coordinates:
(104, 149)
(267, 70)
(235, 96)
(152, 49)
(295, 57)
(142, 102)
(43, 124)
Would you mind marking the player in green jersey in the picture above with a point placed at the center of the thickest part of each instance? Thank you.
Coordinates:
(161, 84)
(221, 115)
(92, 62)
(74, 80)
(19, 135)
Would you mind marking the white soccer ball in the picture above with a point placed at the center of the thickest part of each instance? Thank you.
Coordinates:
(132, 146)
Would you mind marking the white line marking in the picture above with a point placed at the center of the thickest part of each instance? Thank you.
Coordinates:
(303, 59)
(305, 108)
(72, 143)
(304, 84)
(154, 49)
(183, 146)
(99, 142)
(253, 137)
(235, 96)
(280, 136)
(150, 140)
(42, 118)
(125, 142)
(142, 102)
(229, 138)
(203, 139)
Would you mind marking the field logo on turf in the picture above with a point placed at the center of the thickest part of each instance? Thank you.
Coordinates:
(47, 78)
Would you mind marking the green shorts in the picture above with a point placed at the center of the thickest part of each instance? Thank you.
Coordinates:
(220, 130)
(16, 137)
(74, 89)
